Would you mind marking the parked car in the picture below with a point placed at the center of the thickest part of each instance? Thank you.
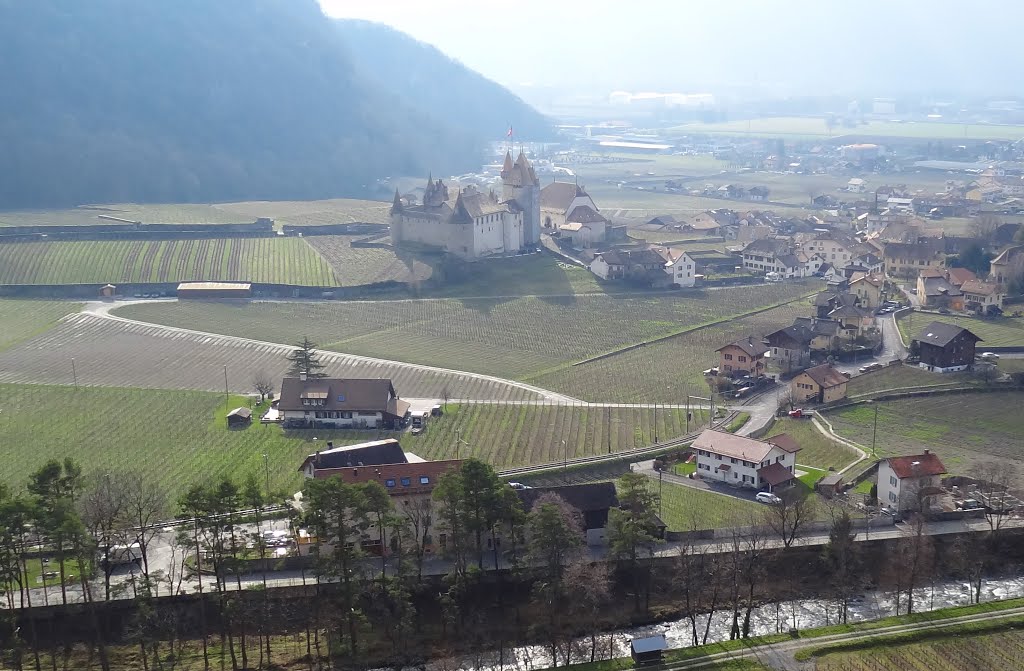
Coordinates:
(711, 371)
(989, 356)
(519, 485)
(799, 413)
(767, 497)
(743, 391)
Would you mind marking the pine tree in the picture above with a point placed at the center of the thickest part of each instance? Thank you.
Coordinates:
(305, 359)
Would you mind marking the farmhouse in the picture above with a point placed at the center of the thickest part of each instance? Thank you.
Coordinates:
(935, 291)
(1001, 268)
(945, 348)
(906, 260)
(772, 255)
(910, 483)
(824, 332)
(585, 227)
(214, 290)
(593, 500)
(821, 384)
(981, 296)
(340, 403)
(757, 464)
(654, 266)
(745, 356)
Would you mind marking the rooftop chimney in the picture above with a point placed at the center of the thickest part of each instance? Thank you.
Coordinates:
(330, 444)
(302, 376)
(927, 452)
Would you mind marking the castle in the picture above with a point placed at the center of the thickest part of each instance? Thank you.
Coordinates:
(476, 224)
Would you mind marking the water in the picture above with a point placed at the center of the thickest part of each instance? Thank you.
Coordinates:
(768, 619)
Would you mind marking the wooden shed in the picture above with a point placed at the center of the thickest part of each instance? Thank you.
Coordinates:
(239, 418)
(215, 290)
(108, 291)
(648, 650)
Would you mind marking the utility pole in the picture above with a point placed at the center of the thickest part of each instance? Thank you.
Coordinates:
(655, 422)
(457, 441)
(227, 401)
(565, 461)
(874, 431)
(661, 475)
(266, 468)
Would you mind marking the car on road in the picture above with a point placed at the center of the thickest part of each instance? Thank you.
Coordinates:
(866, 368)
(800, 413)
(768, 498)
(519, 485)
(743, 391)
(989, 356)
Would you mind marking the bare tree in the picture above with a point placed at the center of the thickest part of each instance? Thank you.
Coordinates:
(984, 226)
(263, 384)
(588, 587)
(842, 557)
(419, 515)
(787, 517)
(446, 396)
(145, 504)
(103, 510)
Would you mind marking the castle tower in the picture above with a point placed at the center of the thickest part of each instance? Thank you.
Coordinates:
(520, 183)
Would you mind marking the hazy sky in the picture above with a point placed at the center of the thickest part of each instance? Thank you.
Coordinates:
(802, 46)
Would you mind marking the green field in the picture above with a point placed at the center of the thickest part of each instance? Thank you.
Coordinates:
(23, 319)
(902, 377)
(267, 260)
(687, 508)
(816, 450)
(958, 652)
(665, 371)
(179, 437)
(310, 212)
(808, 127)
(965, 430)
(174, 213)
(1002, 332)
(512, 338)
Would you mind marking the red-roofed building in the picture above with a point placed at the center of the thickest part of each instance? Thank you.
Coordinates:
(744, 462)
(910, 484)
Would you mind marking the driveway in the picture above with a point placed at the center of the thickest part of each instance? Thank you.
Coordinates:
(647, 468)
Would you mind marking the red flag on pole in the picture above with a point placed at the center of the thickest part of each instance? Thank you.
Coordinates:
(509, 134)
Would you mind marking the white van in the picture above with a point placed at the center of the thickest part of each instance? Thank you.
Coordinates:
(772, 277)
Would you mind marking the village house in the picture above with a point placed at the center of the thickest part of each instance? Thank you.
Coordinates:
(593, 500)
(1004, 265)
(935, 291)
(981, 296)
(655, 266)
(709, 223)
(772, 255)
(743, 357)
(585, 227)
(768, 464)
(833, 247)
(945, 348)
(827, 301)
(910, 484)
(869, 290)
(906, 260)
(825, 333)
(680, 267)
(856, 185)
(854, 321)
(821, 384)
(340, 403)
(790, 348)
(559, 200)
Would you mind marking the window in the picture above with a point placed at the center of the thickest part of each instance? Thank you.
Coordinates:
(733, 460)
(390, 482)
(892, 480)
(727, 357)
(718, 457)
(424, 480)
(742, 359)
(892, 497)
(406, 482)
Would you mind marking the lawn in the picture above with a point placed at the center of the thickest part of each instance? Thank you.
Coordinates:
(266, 260)
(179, 437)
(23, 319)
(666, 371)
(966, 430)
(513, 338)
(688, 508)
(1002, 332)
(816, 450)
(808, 127)
(1001, 651)
(369, 265)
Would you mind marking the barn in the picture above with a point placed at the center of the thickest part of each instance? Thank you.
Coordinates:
(239, 418)
(215, 290)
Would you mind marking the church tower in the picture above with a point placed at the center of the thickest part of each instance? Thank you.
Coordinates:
(520, 183)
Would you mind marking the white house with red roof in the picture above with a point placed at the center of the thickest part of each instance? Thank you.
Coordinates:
(910, 483)
(745, 462)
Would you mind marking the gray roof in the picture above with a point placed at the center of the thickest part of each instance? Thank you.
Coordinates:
(373, 453)
(649, 644)
(938, 286)
(825, 327)
(768, 246)
(941, 334)
(587, 497)
(797, 333)
(559, 195)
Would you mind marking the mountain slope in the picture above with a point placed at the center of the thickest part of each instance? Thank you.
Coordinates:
(436, 84)
(117, 100)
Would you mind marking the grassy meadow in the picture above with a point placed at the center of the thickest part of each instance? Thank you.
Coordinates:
(817, 450)
(1002, 332)
(1001, 651)
(508, 337)
(23, 319)
(966, 430)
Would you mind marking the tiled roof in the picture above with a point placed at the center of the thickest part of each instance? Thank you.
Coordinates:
(941, 333)
(916, 465)
(749, 345)
(583, 497)
(559, 195)
(731, 445)
(351, 395)
(785, 442)
(404, 478)
(979, 287)
(826, 376)
(774, 474)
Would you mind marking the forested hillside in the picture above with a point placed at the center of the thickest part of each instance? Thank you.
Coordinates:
(115, 101)
(440, 87)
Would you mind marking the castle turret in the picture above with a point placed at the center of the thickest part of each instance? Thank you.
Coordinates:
(520, 183)
(396, 206)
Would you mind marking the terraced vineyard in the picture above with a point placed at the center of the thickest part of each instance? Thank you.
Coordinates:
(961, 652)
(267, 260)
(665, 371)
(110, 353)
(22, 319)
(368, 265)
(312, 212)
(174, 213)
(513, 338)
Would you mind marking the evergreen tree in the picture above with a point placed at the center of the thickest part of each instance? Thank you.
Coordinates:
(305, 359)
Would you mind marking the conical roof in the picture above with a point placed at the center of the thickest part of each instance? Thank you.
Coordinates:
(396, 205)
